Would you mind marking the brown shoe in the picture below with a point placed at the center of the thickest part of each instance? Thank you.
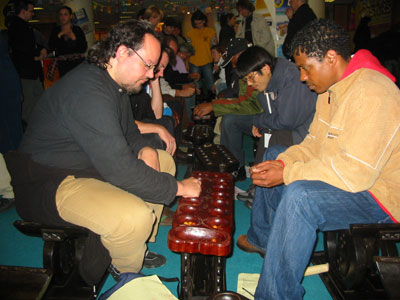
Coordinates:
(167, 216)
(243, 244)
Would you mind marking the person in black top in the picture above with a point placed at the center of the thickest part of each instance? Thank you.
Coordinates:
(26, 55)
(83, 161)
(68, 41)
(227, 32)
(299, 14)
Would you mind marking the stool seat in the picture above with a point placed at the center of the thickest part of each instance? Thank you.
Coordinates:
(62, 253)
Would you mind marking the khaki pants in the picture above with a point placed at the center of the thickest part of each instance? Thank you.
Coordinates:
(124, 221)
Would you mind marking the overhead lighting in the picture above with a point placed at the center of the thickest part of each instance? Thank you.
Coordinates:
(128, 12)
(34, 21)
(125, 17)
(96, 23)
(38, 8)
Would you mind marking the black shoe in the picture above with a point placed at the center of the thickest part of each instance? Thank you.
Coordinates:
(153, 260)
(240, 174)
(181, 156)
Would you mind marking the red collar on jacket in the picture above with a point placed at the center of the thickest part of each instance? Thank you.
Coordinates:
(364, 59)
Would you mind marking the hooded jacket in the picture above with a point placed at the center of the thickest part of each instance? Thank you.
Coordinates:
(354, 139)
(287, 102)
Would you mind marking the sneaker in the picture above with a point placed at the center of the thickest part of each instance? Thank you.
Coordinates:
(115, 273)
(153, 260)
(248, 195)
(6, 203)
(249, 204)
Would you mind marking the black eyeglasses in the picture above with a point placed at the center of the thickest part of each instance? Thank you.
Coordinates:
(146, 65)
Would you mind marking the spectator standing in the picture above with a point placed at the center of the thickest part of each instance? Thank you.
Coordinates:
(153, 14)
(362, 36)
(299, 14)
(26, 55)
(253, 27)
(202, 38)
(67, 39)
(10, 100)
(227, 32)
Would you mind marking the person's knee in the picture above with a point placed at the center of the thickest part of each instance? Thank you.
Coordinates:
(167, 163)
(272, 152)
(227, 122)
(297, 194)
(134, 220)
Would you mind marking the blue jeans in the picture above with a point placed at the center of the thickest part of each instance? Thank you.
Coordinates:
(190, 103)
(206, 74)
(285, 220)
(232, 129)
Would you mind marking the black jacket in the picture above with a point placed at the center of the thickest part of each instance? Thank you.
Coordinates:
(226, 33)
(65, 46)
(23, 46)
(175, 78)
(300, 18)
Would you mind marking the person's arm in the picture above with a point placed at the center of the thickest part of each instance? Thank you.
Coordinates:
(245, 104)
(162, 132)
(186, 91)
(174, 77)
(166, 88)
(156, 98)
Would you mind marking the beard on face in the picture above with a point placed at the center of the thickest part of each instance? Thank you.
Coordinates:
(132, 88)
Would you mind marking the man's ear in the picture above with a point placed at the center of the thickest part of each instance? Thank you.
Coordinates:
(122, 52)
(266, 69)
(331, 56)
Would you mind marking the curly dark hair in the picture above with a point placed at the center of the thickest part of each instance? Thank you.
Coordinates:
(130, 34)
(319, 36)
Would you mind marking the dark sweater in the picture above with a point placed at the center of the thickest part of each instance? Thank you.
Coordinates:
(66, 46)
(85, 122)
(301, 17)
(24, 48)
(292, 103)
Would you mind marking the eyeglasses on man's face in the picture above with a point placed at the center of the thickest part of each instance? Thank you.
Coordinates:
(146, 65)
(251, 76)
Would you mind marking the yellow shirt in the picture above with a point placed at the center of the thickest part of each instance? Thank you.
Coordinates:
(201, 40)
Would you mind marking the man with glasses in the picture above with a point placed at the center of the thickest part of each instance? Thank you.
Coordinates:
(83, 160)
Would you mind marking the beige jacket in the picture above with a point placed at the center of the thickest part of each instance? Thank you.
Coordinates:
(260, 32)
(354, 142)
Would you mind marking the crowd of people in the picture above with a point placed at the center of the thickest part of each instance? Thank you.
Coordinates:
(101, 145)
